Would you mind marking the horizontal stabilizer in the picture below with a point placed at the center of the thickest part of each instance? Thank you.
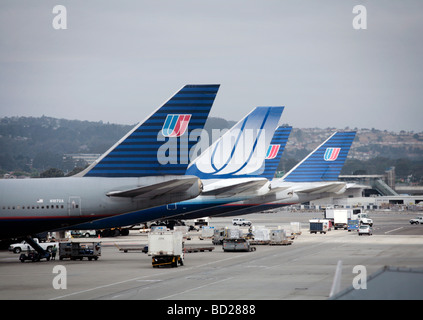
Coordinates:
(238, 187)
(158, 189)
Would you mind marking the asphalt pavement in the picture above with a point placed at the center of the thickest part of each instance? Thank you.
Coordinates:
(303, 270)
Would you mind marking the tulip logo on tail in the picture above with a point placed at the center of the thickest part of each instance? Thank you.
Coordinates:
(175, 125)
(272, 151)
(331, 154)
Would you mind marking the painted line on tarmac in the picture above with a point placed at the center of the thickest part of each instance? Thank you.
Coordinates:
(393, 230)
(137, 279)
(192, 289)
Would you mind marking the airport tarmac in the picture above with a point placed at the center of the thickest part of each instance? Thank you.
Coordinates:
(303, 270)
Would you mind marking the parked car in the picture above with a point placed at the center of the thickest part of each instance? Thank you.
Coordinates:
(84, 233)
(241, 222)
(417, 220)
(365, 229)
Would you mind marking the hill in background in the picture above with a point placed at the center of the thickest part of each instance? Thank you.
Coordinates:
(34, 145)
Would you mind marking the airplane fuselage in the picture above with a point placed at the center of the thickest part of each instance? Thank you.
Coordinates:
(29, 206)
(177, 209)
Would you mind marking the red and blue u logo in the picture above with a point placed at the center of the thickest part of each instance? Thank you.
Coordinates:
(175, 125)
(331, 154)
(272, 151)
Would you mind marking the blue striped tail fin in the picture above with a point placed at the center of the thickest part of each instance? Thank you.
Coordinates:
(159, 145)
(275, 151)
(325, 162)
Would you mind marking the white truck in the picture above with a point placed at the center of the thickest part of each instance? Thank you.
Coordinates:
(166, 248)
(363, 218)
(351, 214)
(340, 219)
(24, 246)
(416, 220)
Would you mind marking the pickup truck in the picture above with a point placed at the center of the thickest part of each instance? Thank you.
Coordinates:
(416, 220)
(22, 246)
(364, 219)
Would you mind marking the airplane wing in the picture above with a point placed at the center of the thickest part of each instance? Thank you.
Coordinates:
(158, 189)
(335, 187)
(232, 188)
(357, 186)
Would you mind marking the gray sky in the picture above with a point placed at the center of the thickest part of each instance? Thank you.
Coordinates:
(119, 60)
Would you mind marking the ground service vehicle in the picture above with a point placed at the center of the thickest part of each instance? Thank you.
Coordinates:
(363, 218)
(237, 244)
(241, 222)
(79, 250)
(25, 246)
(34, 256)
(353, 225)
(365, 229)
(166, 248)
(416, 220)
(352, 214)
(319, 225)
(340, 219)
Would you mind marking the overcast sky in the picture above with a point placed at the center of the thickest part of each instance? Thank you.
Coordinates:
(119, 60)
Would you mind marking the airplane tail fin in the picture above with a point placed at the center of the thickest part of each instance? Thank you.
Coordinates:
(275, 151)
(159, 145)
(325, 162)
(241, 151)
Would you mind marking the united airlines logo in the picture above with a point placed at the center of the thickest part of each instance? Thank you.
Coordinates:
(272, 151)
(175, 125)
(331, 154)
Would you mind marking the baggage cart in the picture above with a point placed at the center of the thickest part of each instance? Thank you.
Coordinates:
(79, 250)
(238, 244)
